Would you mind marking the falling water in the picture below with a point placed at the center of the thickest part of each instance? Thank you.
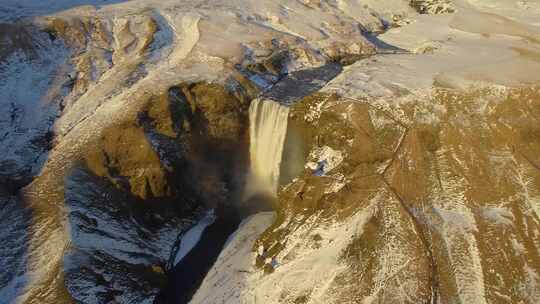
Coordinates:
(267, 130)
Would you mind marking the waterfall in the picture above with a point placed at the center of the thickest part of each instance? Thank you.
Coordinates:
(267, 130)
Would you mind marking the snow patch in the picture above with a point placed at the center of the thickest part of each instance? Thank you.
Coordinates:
(192, 237)
(324, 159)
(498, 215)
(227, 279)
(300, 268)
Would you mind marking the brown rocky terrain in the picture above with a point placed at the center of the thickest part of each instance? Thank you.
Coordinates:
(448, 187)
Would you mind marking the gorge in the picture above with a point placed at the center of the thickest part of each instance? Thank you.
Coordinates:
(205, 241)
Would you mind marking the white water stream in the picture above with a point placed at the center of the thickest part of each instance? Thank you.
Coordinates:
(267, 130)
(268, 127)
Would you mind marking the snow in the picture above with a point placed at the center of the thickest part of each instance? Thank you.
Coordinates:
(192, 236)
(305, 268)
(325, 159)
(32, 86)
(14, 9)
(455, 221)
(484, 42)
(458, 50)
(535, 203)
(12, 249)
(337, 182)
(298, 267)
(186, 35)
(529, 287)
(225, 282)
(498, 215)
(524, 10)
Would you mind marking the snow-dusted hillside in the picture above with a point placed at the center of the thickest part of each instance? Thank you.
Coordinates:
(416, 123)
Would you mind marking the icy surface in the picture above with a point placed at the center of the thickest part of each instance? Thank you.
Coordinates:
(193, 235)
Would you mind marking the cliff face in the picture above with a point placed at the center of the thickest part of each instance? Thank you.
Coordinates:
(103, 200)
(418, 181)
(410, 171)
(424, 199)
(158, 173)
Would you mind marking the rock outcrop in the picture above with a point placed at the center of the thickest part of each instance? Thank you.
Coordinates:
(433, 6)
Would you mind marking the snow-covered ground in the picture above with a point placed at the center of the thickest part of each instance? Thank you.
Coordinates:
(468, 48)
(483, 42)
(227, 281)
(11, 10)
(33, 83)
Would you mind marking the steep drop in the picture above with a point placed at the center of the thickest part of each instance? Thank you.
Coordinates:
(268, 127)
(267, 130)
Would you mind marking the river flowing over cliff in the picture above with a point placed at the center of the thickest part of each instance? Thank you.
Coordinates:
(253, 151)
